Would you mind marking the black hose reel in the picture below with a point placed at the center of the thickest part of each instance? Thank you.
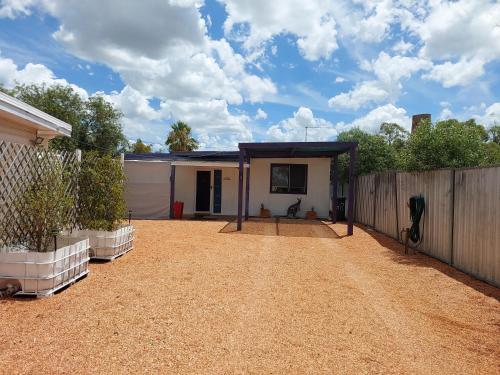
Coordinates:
(416, 205)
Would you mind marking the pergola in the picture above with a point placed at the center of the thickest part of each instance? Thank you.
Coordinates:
(299, 150)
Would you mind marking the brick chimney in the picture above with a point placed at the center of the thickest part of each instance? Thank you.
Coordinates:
(415, 120)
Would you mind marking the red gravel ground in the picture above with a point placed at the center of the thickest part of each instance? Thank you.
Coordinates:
(196, 297)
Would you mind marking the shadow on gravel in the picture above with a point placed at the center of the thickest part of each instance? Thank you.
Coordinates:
(283, 227)
(418, 259)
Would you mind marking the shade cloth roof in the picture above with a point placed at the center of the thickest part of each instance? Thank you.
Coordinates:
(231, 156)
(295, 149)
(255, 150)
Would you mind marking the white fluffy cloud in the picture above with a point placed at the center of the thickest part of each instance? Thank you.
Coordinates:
(490, 116)
(294, 128)
(14, 8)
(464, 35)
(163, 51)
(261, 114)
(258, 21)
(11, 74)
(389, 71)
(461, 73)
(212, 123)
(366, 92)
(386, 113)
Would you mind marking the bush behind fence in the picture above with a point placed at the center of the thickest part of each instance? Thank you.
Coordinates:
(461, 224)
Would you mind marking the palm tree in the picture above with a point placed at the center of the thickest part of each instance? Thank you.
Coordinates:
(179, 138)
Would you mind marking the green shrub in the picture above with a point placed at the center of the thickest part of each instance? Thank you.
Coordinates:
(101, 201)
(43, 208)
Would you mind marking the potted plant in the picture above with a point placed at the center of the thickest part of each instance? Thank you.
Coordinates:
(36, 259)
(101, 207)
(311, 215)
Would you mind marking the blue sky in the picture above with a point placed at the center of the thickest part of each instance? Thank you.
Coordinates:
(258, 70)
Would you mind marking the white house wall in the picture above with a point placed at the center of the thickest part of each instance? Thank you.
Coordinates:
(185, 188)
(318, 187)
(147, 189)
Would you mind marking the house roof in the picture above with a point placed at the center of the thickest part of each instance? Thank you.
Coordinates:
(295, 149)
(31, 116)
(254, 150)
(229, 156)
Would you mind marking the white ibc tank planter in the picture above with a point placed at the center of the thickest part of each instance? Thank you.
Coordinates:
(42, 274)
(108, 245)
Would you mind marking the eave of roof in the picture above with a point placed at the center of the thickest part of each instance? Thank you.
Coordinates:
(32, 115)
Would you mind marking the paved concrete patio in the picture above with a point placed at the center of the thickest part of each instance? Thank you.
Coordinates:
(293, 297)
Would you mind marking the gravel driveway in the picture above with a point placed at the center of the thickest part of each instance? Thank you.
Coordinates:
(196, 297)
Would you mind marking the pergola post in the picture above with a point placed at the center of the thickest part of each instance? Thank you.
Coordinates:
(352, 170)
(247, 189)
(240, 190)
(335, 182)
(172, 190)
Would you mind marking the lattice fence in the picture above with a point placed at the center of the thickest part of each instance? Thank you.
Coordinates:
(20, 166)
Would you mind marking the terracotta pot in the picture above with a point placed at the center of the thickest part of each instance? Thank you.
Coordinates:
(311, 215)
(264, 212)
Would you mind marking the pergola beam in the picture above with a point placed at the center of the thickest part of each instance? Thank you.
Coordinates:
(352, 174)
(247, 189)
(335, 182)
(299, 150)
(172, 190)
(240, 190)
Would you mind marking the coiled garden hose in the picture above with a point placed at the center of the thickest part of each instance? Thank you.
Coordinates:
(417, 208)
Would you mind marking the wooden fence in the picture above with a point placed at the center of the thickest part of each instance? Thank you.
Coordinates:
(461, 223)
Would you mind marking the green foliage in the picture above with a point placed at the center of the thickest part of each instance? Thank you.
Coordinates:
(180, 139)
(395, 135)
(101, 201)
(492, 153)
(43, 208)
(102, 121)
(95, 122)
(374, 154)
(447, 144)
(494, 133)
(139, 147)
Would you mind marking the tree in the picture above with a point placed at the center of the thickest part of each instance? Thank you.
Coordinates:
(179, 138)
(140, 147)
(95, 123)
(394, 134)
(492, 153)
(447, 144)
(101, 200)
(494, 133)
(374, 154)
(103, 123)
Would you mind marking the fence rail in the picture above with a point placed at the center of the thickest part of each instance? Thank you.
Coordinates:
(461, 223)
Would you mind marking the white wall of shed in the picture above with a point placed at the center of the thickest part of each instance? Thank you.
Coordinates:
(147, 189)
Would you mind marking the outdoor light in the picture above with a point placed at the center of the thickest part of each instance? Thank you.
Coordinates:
(38, 141)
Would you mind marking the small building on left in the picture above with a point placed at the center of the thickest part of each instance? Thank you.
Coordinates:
(24, 124)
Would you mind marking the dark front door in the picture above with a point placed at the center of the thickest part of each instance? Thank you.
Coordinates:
(203, 191)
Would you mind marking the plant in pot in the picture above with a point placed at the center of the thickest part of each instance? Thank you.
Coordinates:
(36, 256)
(101, 206)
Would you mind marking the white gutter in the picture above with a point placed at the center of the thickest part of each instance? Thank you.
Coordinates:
(35, 116)
(219, 164)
